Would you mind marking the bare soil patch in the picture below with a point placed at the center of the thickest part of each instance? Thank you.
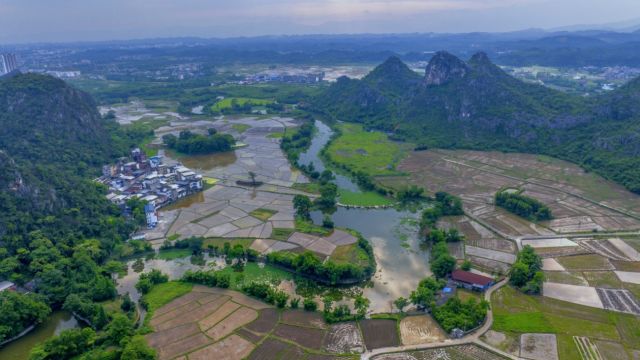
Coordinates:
(165, 337)
(249, 335)
(270, 349)
(237, 319)
(619, 300)
(266, 321)
(232, 348)
(344, 338)
(303, 318)
(215, 317)
(307, 337)
(379, 333)
(539, 346)
(419, 330)
(183, 346)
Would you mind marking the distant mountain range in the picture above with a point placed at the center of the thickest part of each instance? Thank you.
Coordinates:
(475, 104)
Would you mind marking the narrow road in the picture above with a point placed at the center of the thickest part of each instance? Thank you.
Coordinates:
(472, 338)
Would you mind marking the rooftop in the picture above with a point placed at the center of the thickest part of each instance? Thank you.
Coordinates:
(471, 278)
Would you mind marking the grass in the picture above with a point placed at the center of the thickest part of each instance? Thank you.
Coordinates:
(162, 294)
(564, 277)
(567, 349)
(368, 198)
(215, 241)
(312, 188)
(605, 279)
(370, 152)
(262, 214)
(281, 234)
(172, 254)
(228, 102)
(240, 128)
(465, 294)
(633, 266)
(252, 272)
(350, 254)
(308, 227)
(277, 135)
(584, 262)
(519, 313)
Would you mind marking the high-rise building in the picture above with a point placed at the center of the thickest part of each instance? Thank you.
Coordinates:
(8, 63)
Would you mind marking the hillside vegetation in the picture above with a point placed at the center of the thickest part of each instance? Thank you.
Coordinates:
(476, 105)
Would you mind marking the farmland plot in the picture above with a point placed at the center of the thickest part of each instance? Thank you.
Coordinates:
(619, 300)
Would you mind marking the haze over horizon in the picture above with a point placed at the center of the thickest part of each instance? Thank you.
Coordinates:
(76, 20)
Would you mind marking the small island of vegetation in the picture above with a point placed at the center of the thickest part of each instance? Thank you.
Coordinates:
(191, 144)
(522, 205)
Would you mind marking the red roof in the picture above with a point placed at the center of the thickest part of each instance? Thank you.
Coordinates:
(470, 278)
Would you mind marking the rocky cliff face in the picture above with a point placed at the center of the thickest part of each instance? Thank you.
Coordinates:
(444, 68)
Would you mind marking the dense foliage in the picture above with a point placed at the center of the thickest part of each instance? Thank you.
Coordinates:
(522, 205)
(190, 143)
(56, 226)
(329, 272)
(526, 272)
(476, 105)
(458, 314)
(19, 311)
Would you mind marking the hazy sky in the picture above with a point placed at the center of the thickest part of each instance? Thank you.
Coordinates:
(69, 20)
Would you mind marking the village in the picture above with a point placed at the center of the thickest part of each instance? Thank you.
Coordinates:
(149, 180)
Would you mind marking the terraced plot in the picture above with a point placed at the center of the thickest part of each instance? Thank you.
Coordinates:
(421, 329)
(587, 349)
(619, 300)
(460, 352)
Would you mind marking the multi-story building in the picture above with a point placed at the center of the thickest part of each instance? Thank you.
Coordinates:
(8, 63)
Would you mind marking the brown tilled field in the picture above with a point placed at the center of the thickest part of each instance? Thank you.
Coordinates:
(223, 324)
(420, 330)
(379, 333)
(460, 352)
(476, 176)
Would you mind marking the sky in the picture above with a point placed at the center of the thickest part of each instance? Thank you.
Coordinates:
(87, 20)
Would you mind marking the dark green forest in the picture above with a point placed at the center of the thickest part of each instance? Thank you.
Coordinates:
(57, 230)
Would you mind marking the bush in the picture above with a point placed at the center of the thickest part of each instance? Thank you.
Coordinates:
(309, 304)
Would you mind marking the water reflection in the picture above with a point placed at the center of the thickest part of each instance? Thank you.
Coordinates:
(311, 156)
(186, 201)
(56, 323)
(204, 162)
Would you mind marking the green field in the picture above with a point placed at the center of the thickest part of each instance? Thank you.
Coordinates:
(262, 214)
(252, 272)
(368, 198)
(517, 313)
(350, 254)
(227, 103)
(240, 128)
(370, 152)
(162, 294)
(172, 254)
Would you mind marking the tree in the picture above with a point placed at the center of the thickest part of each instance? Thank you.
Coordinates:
(294, 303)
(361, 305)
(66, 345)
(466, 265)
(302, 204)
(309, 304)
(442, 266)
(119, 328)
(401, 303)
(18, 311)
(137, 349)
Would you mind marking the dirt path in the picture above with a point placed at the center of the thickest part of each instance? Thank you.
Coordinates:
(473, 338)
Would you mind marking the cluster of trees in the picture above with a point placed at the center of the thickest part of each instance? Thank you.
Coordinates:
(442, 263)
(410, 193)
(342, 312)
(297, 141)
(268, 293)
(453, 314)
(19, 311)
(309, 265)
(148, 280)
(522, 205)
(190, 143)
(208, 278)
(526, 272)
(118, 341)
(458, 314)
(445, 204)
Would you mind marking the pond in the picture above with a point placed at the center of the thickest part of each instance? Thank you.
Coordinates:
(57, 322)
(393, 233)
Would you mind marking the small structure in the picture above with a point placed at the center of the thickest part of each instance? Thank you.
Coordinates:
(471, 281)
(7, 286)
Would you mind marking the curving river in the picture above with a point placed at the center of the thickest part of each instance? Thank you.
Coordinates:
(401, 262)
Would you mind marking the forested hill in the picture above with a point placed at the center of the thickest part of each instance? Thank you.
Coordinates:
(52, 144)
(476, 105)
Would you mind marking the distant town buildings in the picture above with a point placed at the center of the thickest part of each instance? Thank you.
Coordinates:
(290, 77)
(149, 180)
(8, 63)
